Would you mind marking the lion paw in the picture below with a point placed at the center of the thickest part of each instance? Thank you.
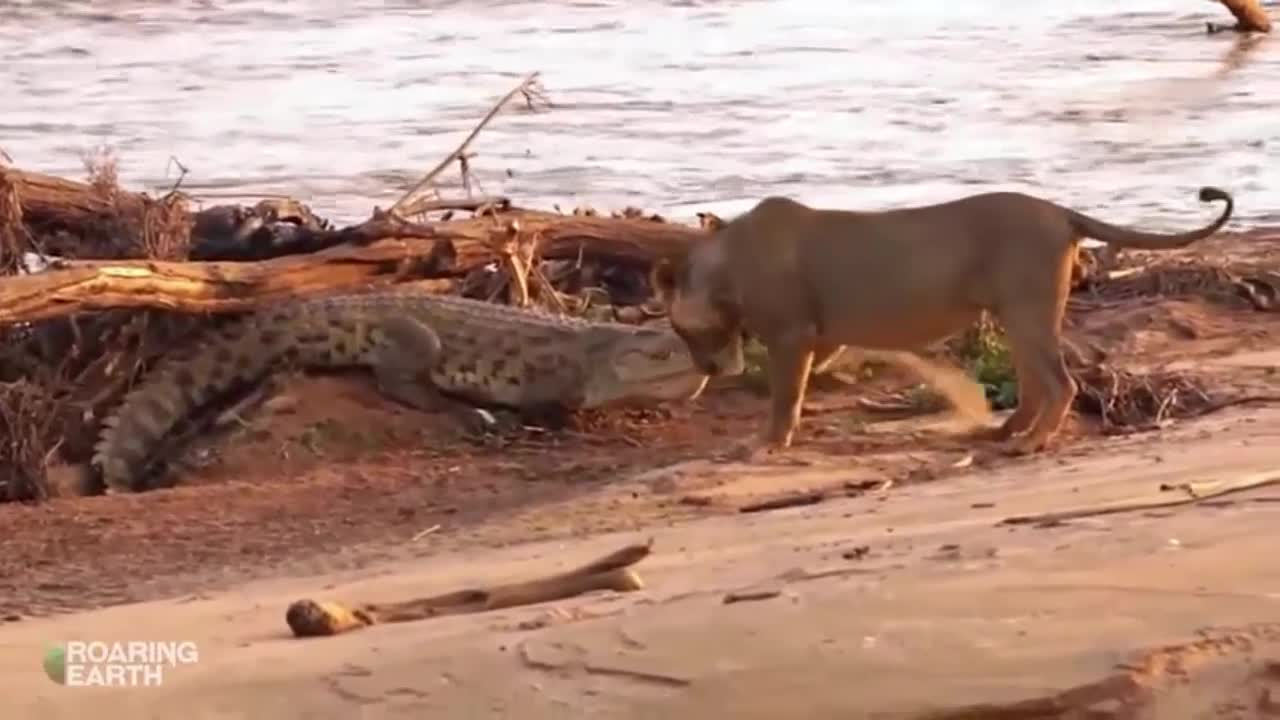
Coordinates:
(743, 452)
(752, 451)
(1022, 447)
(985, 434)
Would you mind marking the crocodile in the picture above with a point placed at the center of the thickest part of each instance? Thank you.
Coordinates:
(429, 352)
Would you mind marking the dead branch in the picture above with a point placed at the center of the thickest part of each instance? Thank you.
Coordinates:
(786, 501)
(1128, 402)
(407, 205)
(1249, 14)
(476, 205)
(309, 618)
(443, 249)
(1194, 493)
(182, 173)
(750, 596)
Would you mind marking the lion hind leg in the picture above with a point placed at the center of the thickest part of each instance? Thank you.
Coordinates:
(966, 396)
(1034, 331)
(1059, 392)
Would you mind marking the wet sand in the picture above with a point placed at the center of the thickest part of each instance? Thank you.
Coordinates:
(1142, 614)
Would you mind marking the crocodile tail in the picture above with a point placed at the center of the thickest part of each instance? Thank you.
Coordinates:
(224, 359)
(1126, 238)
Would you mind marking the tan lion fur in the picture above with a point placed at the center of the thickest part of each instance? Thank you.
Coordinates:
(807, 282)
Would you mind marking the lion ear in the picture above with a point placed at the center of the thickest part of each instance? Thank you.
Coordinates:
(710, 221)
(663, 279)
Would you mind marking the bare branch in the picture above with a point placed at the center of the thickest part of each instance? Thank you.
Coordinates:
(530, 88)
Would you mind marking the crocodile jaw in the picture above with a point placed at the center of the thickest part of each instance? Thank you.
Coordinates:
(644, 364)
(675, 387)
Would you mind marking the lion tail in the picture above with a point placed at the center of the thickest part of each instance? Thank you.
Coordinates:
(1126, 238)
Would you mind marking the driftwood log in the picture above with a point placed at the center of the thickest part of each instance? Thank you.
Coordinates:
(311, 618)
(98, 220)
(379, 250)
(1249, 14)
(47, 199)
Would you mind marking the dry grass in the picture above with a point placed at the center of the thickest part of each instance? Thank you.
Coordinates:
(52, 372)
(102, 168)
(1126, 401)
(1169, 279)
(166, 229)
(163, 232)
(28, 418)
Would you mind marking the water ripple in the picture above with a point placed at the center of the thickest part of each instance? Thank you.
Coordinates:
(661, 104)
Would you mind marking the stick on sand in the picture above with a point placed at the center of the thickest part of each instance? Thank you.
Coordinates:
(311, 618)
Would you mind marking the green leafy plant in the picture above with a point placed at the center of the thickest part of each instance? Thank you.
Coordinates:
(983, 350)
(756, 375)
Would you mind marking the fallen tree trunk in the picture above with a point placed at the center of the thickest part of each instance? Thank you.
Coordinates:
(47, 198)
(87, 220)
(440, 249)
(626, 241)
(1249, 14)
(192, 287)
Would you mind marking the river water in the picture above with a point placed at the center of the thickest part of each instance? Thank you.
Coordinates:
(1121, 109)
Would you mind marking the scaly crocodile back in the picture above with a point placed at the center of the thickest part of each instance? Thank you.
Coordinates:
(335, 332)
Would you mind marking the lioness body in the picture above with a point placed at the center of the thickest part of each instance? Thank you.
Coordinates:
(809, 281)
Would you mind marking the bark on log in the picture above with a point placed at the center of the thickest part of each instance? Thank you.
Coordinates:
(46, 197)
(93, 218)
(619, 240)
(1249, 14)
(449, 247)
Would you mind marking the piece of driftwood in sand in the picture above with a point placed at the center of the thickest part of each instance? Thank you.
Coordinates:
(381, 249)
(310, 618)
(1249, 14)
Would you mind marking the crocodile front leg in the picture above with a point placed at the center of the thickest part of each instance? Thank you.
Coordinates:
(401, 371)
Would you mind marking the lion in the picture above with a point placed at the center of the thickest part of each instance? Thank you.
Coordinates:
(808, 282)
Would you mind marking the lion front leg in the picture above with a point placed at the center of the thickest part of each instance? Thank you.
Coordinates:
(790, 361)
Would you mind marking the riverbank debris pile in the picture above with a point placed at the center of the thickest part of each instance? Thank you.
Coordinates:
(98, 282)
